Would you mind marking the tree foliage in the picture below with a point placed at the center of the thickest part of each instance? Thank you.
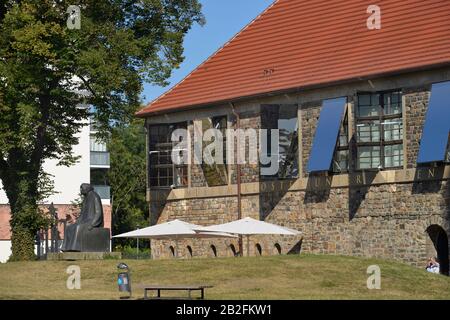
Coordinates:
(127, 177)
(48, 70)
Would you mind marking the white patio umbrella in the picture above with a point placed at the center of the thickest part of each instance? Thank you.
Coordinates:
(175, 229)
(247, 227)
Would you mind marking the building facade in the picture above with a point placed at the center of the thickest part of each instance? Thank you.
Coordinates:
(373, 194)
(91, 167)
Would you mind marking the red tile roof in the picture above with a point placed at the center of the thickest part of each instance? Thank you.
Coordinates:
(300, 44)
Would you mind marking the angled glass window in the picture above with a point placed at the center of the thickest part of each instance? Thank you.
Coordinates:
(433, 145)
(327, 134)
(217, 173)
(284, 118)
(341, 156)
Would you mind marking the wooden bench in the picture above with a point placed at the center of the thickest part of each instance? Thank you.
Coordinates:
(188, 288)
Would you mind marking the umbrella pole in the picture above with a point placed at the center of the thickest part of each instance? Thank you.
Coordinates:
(248, 246)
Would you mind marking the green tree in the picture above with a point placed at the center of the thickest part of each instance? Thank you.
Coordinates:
(48, 70)
(127, 178)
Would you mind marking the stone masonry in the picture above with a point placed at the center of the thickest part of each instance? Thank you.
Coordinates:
(372, 214)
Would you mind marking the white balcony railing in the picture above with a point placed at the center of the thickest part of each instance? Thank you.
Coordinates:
(103, 191)
(100, 158)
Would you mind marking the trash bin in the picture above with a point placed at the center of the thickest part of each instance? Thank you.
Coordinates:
(124, 278)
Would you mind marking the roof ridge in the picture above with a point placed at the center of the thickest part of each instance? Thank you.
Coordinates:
(209, 57)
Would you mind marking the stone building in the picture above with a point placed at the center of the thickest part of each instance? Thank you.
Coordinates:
(360, 111)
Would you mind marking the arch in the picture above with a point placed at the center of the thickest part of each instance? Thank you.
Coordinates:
(439, 240)
(277, 248)
(233, 250)
(189, 249)
(213, 251)
(172, 251)
(258, 249)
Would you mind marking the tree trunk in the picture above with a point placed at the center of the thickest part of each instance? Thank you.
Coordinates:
(26, 218)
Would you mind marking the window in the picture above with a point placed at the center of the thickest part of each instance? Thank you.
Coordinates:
(284, 118)
(379, 130)
(213, 251)
(189, 249)
(277, 248)
(216, 174)
(258, 249)
(96, 145)
(162, 171)
(341, 155)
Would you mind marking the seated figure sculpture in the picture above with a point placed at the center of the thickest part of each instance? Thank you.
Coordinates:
(87, 233)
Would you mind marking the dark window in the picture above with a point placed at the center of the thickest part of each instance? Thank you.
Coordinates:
(379, 130)
(162, 171)
(189, 249)
(258, 249)
(213, 251)
(278, 248)
(341, 155)
(284, 118)
(233, 250)
(216, 174)
(99, 176)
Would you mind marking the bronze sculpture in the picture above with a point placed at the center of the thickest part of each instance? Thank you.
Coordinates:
(87, 233)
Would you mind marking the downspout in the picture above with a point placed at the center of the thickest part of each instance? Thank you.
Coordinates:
(238, 173)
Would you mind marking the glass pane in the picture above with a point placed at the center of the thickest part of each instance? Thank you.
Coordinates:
(160, 154)
(283, 118)
(340, 163)
(393, 129)
(393, 155)
(368, 105)
(368, 157)
(368, 131)
(343, 134)
(215, 174)
(97, 145)
(392, 103)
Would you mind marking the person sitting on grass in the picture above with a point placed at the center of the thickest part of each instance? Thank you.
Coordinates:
(432, 265)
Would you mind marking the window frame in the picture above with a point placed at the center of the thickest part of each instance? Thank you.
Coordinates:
(166, 146)
(218, 119)
(339, 147)
(380, 118)
(295, 138)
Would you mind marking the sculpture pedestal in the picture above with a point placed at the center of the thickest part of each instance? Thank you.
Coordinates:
(96, 240)
(71, 256)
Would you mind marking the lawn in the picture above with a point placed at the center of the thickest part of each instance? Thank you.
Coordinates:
(276, 277)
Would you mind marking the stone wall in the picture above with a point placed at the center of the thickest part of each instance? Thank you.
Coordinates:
(416, 102)
(310, 113)
(386, 220)
(249, 172)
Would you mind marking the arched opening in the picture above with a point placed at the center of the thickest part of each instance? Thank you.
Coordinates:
(258, 249)
(233, 250)
(277, 248)
(213, 251)
(439, 240)
(172, 251)
(189, 249)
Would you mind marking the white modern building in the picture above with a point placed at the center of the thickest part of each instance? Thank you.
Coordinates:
(91, 168)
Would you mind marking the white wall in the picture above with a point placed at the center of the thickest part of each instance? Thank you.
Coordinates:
(67, 180)
(5, 250)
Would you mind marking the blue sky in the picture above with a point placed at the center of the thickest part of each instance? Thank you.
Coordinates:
(224, 18)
